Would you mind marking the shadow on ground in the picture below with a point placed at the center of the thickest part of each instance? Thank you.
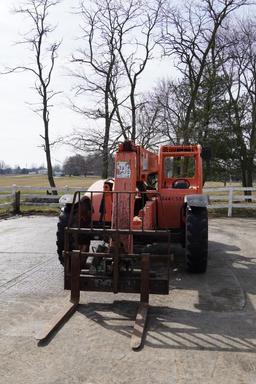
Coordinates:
(202, 312)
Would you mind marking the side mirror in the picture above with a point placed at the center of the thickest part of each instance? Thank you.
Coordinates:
(206, 153)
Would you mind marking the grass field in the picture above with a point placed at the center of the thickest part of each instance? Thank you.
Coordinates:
(74, 181)
(42, 181)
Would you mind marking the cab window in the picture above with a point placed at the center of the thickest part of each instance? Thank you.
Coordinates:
(179, 167)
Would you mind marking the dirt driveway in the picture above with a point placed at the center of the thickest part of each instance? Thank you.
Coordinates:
(203, 332)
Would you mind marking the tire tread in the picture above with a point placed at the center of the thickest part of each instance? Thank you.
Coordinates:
(197, 239)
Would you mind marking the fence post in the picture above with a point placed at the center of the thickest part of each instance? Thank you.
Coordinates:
(230, 202)
(14, 190)
(16, 200)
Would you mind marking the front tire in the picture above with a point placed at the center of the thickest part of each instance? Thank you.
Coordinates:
(196, 239)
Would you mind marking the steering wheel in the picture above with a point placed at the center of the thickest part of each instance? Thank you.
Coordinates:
(181, 184)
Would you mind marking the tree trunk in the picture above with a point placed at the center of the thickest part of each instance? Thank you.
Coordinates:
(47, 146)
(207, 170)
(247, 176)
(105, 155)
(133, 107)
(104, 173)
(49, 165)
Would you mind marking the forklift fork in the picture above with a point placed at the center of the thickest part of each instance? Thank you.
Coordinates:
(71, 306)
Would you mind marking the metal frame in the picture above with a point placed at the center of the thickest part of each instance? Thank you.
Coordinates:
(77, 278)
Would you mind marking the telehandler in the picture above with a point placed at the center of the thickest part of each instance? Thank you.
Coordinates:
(117, 235)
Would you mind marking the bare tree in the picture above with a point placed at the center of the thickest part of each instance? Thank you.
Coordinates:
(44, 58)
(172, 98)
(148, 123)
(136, 23)
(239, 67)
(117, 44)
(190, 35)
(99, 71)
(161, 114)
(75, 165)
(93, 143)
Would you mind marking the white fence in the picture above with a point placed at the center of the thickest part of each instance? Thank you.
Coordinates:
(15, 198)
(231, 197)
(220, 198)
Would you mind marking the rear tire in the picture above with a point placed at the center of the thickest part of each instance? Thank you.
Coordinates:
(197, 239)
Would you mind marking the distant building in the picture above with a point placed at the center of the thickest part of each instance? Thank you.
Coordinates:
(58, 173)
(42, 171)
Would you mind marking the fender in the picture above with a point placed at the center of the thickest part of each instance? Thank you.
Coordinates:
(197, 201)
(66, 199)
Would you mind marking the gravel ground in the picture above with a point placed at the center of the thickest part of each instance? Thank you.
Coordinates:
(204, 331)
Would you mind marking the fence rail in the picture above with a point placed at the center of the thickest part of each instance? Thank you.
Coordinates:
(19, 196)
(231, 198)
(220, 198)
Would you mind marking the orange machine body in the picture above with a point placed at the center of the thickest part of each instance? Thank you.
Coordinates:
(134, 204)
(164, 208)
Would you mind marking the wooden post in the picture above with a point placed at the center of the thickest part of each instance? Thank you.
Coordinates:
(16, 201)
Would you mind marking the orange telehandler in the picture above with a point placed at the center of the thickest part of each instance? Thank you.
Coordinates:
(153, 201)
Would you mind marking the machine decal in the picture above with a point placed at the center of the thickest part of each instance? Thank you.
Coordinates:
(123, 170)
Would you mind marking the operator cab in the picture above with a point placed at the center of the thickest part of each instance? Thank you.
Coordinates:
(180, 175)
(180, 167)
(178, 171)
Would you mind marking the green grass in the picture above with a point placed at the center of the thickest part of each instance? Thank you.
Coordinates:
(26, 210)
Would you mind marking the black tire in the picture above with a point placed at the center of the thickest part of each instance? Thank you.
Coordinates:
(196, 239)
(62, 223)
